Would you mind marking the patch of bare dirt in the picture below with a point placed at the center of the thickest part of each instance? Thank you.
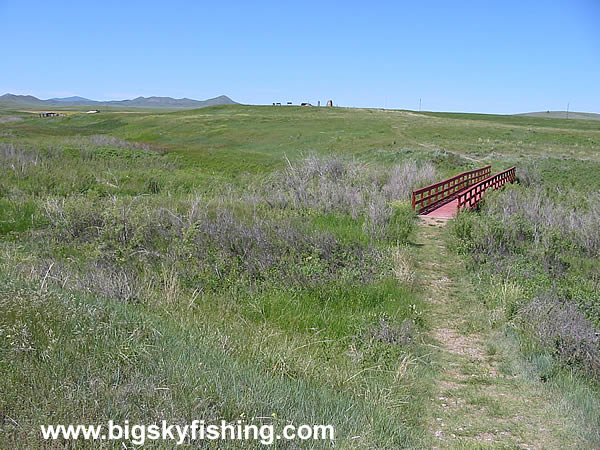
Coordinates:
(433, 221)
(458, 344)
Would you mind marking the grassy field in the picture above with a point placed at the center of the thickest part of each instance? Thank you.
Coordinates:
(263, 264)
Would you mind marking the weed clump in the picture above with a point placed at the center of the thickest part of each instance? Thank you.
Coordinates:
(386, 332)
(17, 157)
(560, 326)
(348, 187)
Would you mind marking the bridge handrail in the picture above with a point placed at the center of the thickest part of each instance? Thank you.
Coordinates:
(428, 196)
(471, 196)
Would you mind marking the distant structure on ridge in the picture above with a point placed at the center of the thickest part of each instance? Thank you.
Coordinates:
(51, 114)
(329, 102)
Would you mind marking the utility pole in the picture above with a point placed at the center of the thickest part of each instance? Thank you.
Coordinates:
(567, 110)
(419, 104)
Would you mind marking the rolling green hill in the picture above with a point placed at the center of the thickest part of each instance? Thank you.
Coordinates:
(263, 264)
(563, 115)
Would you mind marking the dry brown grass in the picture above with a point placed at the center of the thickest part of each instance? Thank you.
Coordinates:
(403, 268)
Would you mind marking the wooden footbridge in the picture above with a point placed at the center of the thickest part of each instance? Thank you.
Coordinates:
(443, 200)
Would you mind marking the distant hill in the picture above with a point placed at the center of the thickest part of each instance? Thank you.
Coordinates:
(146, 102)
(562, 115)
(71, 100)
(12, 100)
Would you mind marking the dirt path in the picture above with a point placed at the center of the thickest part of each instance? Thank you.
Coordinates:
(481, 400)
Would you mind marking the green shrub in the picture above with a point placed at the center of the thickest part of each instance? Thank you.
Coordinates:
(402, 222)
(17, 216)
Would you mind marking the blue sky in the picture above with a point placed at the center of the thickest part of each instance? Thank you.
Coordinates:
(474, 56)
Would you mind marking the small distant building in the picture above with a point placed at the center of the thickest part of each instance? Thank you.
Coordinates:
(329, 102)
(93, 111)
(305, 104)
(289, 103)
(51, 114)
(319, 103)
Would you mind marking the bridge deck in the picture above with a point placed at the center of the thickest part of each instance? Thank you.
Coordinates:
(446, 211)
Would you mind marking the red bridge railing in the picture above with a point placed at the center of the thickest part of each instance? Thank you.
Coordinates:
(430, 196)
(471, 196)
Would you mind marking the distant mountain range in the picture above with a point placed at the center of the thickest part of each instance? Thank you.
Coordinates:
(12, 100)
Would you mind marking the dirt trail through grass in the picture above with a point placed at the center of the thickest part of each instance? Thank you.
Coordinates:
(480, 399)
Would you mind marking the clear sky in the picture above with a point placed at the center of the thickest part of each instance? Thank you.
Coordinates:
(475, 56)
